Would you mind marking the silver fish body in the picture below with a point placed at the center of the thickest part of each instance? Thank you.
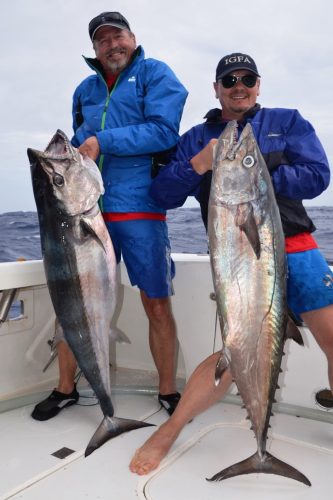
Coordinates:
(80, 266)
(248, 263)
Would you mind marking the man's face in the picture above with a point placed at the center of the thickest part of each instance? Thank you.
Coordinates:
(237, 100)
(114, 48)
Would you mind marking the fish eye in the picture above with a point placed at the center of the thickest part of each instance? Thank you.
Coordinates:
(58, 180)
(248, 161)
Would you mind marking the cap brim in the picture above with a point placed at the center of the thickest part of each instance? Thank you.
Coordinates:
(115, 25)
(235, 68)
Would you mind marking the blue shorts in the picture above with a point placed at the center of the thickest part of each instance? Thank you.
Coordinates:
(145, 247)
(310, 281)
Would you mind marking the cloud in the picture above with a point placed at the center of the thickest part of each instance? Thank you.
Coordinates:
(42, 43)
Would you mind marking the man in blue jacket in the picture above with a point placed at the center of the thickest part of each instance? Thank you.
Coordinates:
(125, 117)
(299, 170)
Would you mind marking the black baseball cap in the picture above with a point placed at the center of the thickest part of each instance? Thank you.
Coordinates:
(235, 61)
(108, 19)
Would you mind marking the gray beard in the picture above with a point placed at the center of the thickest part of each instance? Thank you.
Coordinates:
(116, 67)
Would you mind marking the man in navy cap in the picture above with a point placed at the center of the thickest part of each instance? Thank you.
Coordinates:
(125, 116)
(299, 170)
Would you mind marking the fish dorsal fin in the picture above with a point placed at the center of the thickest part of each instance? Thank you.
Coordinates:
(292, 332)
(246, 221)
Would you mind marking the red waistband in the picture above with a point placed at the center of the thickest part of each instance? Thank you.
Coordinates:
(300, 243)
(122, 216)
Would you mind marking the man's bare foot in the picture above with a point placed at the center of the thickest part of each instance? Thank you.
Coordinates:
(150, 455)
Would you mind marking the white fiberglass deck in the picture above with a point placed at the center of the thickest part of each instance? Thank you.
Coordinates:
(214, 440)
(217, 438)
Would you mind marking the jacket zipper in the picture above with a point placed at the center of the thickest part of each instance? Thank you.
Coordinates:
(101, 158)
(106, 105)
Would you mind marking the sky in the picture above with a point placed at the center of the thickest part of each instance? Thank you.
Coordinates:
(41, 65)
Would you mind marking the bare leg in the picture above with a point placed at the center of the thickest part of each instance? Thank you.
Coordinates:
(200, 393)
(162, 340)
(320, 323)
(67, 368)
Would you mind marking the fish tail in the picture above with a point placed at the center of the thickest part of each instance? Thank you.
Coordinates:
(111, 427)
(266, 464)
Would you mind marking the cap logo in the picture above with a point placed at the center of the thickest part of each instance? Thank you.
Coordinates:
(237, 59)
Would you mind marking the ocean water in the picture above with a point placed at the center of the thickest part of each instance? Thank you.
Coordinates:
(19, 233)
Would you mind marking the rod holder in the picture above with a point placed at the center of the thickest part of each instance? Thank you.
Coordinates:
(6, 302)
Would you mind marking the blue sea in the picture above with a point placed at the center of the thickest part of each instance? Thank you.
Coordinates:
(19, 233)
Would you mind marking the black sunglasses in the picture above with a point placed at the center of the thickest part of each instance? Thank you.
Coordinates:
(230, 81)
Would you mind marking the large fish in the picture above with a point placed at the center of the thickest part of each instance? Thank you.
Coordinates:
(80, 266)
(248, 262)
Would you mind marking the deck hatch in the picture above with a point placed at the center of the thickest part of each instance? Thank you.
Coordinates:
(62, 453)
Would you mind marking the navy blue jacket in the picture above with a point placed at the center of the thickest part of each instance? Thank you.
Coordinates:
(290, 147)
(137, 119)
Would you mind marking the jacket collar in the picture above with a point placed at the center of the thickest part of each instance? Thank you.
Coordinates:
(94, 63)
(214, 115)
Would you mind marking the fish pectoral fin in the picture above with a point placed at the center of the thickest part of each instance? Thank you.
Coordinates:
(118, 335)
(110, 428)
(292, 332)
(87, 224)
(266, 464)
(221, 367)
(246, 221)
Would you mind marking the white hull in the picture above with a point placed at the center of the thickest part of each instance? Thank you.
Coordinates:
(214, 440)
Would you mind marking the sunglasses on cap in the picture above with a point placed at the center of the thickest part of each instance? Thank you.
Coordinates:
(230, 81)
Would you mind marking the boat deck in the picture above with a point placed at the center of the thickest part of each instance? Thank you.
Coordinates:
(35, 464)
(45, 460)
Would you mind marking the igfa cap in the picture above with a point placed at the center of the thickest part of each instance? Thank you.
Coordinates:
(235, 61)
(108, 19)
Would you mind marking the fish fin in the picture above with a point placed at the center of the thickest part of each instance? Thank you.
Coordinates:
(118, 335)
(266, 464)
(296, 319)
(292, 332)
(88, 225)
(110, 428)
(246, 221)
(221, 367)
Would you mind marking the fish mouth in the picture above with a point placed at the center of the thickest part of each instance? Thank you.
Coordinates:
(58, 149)
(232, 144)
(228, 145)
(59, 146)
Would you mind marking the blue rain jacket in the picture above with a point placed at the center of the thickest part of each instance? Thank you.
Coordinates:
(290, 147)
(137, 119)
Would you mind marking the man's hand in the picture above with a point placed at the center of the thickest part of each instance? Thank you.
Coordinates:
(202, 162)
(90, 148)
